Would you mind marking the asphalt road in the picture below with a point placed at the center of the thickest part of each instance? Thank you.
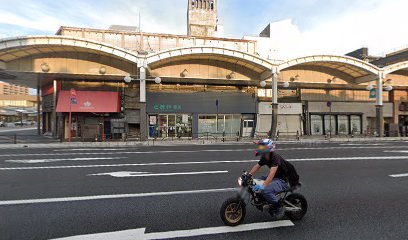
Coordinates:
(55, 193)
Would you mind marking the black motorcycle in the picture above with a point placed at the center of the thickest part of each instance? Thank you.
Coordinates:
(233, 209)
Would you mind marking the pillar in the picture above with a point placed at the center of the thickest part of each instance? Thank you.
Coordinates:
(379, 106)
(143, 115)
(54, 113)
(38, 105)
(274, 122)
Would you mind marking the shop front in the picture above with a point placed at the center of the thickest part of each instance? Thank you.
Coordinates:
(345, 118)
(289, 118)
(95, 115)
(200, 114)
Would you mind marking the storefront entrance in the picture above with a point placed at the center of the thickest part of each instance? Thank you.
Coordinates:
(170, 125)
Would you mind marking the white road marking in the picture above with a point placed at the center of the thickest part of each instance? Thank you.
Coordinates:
(61, 159)
(363, 144)
(89, 149)
(399, 175)
(101, 197)
(347, 158)
(126, 165)
(192, 151)
(148, 174)
(396, 151)
(203, 162)
(133, 234)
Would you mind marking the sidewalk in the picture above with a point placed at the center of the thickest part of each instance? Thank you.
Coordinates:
(191, 142)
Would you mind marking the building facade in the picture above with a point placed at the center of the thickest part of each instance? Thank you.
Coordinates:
(210, 86)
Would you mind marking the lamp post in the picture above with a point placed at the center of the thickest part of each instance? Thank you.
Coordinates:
(44, 69)
(142, 80)
(272, 132)
(379, 102)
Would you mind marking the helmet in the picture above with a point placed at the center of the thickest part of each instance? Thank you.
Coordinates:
(264, 146)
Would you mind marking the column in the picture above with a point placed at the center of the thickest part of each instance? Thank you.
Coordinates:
(379, 106)
(38, 105)
(54, 113)
(143, 115)
(274, 122)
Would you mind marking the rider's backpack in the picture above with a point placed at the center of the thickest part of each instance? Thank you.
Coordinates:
(291, 174)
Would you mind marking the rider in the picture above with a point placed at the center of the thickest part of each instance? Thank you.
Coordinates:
(276, 180)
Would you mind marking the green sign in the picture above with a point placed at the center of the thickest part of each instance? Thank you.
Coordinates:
(373, 93)
(167, 107)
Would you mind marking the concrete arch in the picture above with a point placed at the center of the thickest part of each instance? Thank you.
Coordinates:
(358, 71)
(250, 61)
(395, 67)
(19, 47)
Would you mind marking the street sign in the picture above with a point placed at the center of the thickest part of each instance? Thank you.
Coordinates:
(74, 101)
(328, 104)
(373, 93)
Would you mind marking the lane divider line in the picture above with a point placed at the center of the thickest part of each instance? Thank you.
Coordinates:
(115, 196)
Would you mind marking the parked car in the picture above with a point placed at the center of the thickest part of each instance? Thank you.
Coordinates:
(2, 124)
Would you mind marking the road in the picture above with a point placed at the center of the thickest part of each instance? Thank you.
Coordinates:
(165, 191)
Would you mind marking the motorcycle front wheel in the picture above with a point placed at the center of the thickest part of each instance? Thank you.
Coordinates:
(299, 202)
(233, 211)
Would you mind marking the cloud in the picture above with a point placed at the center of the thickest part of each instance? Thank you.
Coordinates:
(379, 25)
(305, 27)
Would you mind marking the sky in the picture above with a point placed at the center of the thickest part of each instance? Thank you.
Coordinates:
(304, 27)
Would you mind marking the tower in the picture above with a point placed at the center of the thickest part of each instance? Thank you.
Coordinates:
(202, 18)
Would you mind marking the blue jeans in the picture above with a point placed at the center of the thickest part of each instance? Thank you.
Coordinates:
(270, 191)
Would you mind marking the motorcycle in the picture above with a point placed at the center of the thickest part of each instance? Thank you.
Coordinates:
(233, 209)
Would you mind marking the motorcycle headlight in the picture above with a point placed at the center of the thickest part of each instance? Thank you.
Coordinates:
(240, 181)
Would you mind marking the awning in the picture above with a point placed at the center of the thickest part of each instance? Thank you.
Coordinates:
(86, 101)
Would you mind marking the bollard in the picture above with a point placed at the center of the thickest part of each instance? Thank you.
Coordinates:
(223, 136)
(297, 135)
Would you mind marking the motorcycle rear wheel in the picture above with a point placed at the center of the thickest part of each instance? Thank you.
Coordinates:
(233, 211)
(299, 201)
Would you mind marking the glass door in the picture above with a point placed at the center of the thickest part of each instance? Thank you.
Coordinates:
(171, 129)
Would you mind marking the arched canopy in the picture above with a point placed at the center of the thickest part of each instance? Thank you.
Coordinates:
(249, 61)
(396, 67)
(19, 47)
(13, 50)
(350, 69)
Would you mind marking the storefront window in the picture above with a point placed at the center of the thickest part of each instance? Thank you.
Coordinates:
(230, 124)
(355, 124)
(171, 125)
(207, 124)
(343, 124)
(329, 124)
(316, 124)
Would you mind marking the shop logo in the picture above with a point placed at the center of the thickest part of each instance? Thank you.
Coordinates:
(167, 107)
(87, 104)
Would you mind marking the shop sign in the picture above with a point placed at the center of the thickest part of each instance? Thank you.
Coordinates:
(167, 107)
(283, 108)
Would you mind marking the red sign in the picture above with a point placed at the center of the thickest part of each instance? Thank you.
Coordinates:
(87, 101)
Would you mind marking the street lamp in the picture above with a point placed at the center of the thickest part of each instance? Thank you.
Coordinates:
(129, 79)
(285, 84)
(262, 83)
